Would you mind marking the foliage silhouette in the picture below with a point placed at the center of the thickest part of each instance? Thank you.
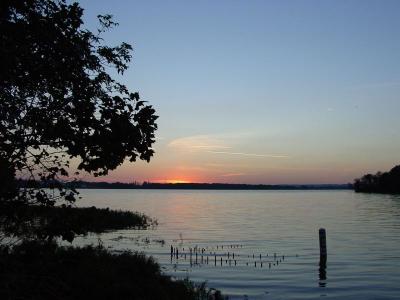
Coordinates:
(61, 108)
(45, 222)
(59, 105)
(386, 183)
(46, 271)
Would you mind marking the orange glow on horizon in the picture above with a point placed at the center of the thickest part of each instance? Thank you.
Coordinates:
(172, 181)
(177, 176)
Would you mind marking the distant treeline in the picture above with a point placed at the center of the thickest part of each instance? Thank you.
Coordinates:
(386, 183)
(230, 186)
(190, 186)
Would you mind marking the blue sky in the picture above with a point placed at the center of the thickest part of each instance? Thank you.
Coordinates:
(263, 91)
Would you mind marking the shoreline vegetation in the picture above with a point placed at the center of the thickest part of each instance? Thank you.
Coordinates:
(48, 222)
(37, 267)
(382, 183)
(37, 270)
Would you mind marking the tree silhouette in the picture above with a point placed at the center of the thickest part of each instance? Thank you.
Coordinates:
(387, 182)
(59, 105)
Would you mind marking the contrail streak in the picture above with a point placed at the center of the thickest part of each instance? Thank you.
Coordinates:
(250, 154)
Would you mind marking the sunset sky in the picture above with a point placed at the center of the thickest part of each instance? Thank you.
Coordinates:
(262, 91)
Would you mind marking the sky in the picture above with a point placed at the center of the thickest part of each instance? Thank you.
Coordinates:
(262, 92)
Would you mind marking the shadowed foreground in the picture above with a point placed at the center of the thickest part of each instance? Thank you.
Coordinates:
(38, 268)
(46, 271)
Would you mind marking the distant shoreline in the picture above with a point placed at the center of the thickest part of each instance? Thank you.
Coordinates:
(182, 186)
(224, 189)
(208, 186)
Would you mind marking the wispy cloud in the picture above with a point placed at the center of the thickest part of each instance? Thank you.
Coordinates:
(219, 165)
(198, 142)
(215, 144)
(190, 168)
(250, 154)
(210, 147)
(232, 174)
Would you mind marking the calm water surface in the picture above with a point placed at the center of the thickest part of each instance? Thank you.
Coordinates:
(363, 237)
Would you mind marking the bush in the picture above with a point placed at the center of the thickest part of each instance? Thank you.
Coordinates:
(43, 271)
(41, 222)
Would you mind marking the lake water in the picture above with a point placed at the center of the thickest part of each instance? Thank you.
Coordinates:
(363, 239)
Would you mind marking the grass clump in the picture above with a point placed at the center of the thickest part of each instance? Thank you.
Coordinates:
(46, 223)
(35, 270)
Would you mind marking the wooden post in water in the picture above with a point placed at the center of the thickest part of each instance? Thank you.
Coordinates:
(322, 254)
(322, 244)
